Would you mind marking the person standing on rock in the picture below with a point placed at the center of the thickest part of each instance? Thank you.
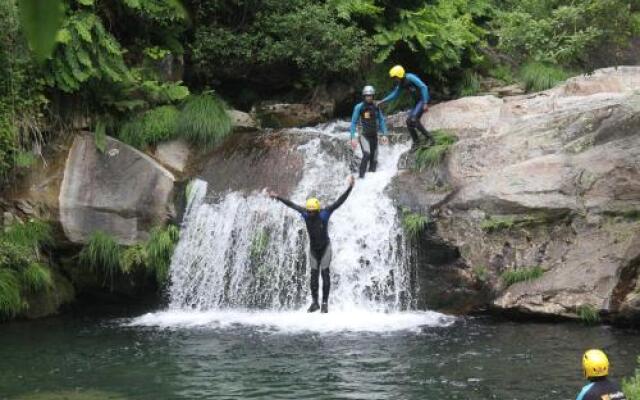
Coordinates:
(420, 92)
(371, 120)
(317, 221)
(595, 366)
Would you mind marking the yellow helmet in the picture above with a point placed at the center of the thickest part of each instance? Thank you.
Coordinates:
(595, 363)
(397, 72)
(313, 204)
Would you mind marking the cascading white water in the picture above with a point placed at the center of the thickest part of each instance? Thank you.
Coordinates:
(243, 259)
(251, 251)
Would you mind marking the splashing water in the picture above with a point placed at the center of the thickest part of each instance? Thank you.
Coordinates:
(246, 253)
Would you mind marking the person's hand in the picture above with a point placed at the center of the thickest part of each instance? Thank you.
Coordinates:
(272, 194)
(384, 140)
(425, 108)
(354, 144)
(379, 103)
(351, 181)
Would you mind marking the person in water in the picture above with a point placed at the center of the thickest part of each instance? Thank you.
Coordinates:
(595, 366)
(371, 121)
(317, 221)
(420, 92)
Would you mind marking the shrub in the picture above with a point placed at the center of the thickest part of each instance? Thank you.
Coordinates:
(631, 386)
(588, 314)
(538, 76)
(204, 120)
(33, 234)
(432, 156)
(413, 223)
(521, 275)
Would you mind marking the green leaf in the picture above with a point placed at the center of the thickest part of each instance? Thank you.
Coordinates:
(41, 21)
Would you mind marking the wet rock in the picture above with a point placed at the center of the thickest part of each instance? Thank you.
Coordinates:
(122, 192)
(281, 115)
(242, 121)
(549, 180)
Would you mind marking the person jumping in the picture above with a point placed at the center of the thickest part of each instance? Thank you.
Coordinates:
(420, 92)
(317, 221)
(371, 120)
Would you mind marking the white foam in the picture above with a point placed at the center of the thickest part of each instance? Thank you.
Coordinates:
(292, 322)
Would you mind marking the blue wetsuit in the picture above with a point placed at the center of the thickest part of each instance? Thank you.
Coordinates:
(420, 92)
(319, 244)
(599, 389)
(371, 118)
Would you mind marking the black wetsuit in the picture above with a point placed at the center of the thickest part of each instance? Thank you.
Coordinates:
(601, 389)
(318, 229)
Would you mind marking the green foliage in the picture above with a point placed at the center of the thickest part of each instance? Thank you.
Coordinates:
(413, 223)
(539, 76)
(37, 277)
(41, 21)
(498, 223)
(566, 33)
(443, 34)
(23, 159)
(204, 120)
(86, 51)
(10, 300)
(631, 386)
(102, 254)
(588, 314)
(432, 156)
(133, 258)
(152, 127)
(22, 269)
(159, 249)
(470, 84)
(521, 274)
(304, 41)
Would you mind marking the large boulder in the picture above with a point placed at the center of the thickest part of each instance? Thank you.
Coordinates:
(120, 191)
(283, 115)
(548, 180)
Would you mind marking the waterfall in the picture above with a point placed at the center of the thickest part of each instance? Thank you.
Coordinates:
(249, 252)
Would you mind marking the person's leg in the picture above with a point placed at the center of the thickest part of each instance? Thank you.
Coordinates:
(315, 275)
(373, 160)
(417, 113)
(411, 126)
(366, 154)
(326, 278)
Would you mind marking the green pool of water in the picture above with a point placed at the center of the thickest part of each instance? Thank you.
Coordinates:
(87, 358)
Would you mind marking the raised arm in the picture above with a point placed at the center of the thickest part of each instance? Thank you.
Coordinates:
(424, 89)
(342, 198)
(393, 95)
(286, 202)
(357, 110)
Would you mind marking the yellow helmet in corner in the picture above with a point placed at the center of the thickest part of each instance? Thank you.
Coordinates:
(313, 204)
(595, 364)
(397, 72)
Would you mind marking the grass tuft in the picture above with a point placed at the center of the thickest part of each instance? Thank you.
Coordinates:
(31, 234)
(204, 120)
(631, 386)
(10, 301)
(521, 275)
(588, 314)
(481, 273)
(413, 223)
(539, 76)
(37, 277)
(152, 127)
(102, 253)
(432, 156)
(159, 249)
(469, 84)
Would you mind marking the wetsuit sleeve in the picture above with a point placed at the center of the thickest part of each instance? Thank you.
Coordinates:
(424, 89)
(357, 110)
(393, 95)
(583, 393)
(340, 200)
(381, 122)
(291, 205)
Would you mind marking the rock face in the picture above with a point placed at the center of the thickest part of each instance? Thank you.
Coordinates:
(122, 192)
(549, 180)
(242, 121)
(174, 154)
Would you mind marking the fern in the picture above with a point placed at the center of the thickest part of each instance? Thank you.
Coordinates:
(133, 258)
